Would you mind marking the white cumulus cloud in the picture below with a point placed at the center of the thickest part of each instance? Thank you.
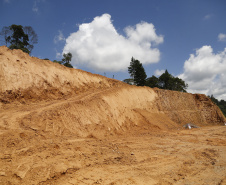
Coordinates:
(205, 72)
(222, 37)
(99, 46)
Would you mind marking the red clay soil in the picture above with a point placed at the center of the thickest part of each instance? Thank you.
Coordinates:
(67, 126)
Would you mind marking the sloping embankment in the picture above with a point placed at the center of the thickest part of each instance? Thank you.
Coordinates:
(44, 96)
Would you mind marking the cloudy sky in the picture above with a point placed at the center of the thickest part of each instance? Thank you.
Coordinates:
(186, 37)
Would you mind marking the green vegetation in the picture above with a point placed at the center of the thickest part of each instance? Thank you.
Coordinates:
(23, 38)
(221, 104)
(165, 81)
(137, 72)
(66, 60)
(19, 37)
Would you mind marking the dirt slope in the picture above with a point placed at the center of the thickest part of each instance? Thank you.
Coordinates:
(89, 102)
(68, 126)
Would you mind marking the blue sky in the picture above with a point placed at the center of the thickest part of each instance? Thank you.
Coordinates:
(186, 37)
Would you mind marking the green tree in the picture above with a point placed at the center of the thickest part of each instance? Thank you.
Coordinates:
(179, 85)
(20, 37)
(221, 104)
(137, 72)
(165, 81)
(152, 82)
(66, 60)
(168, 81)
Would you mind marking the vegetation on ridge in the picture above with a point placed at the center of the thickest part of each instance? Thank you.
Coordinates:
(66, 60)
(221, 104)
(19, 37)
(24, 38)
(137, 72)
(165, 81)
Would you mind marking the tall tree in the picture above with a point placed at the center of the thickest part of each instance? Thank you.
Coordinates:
(20, 37)
(137, 72)
(66, 60)
(165, 80)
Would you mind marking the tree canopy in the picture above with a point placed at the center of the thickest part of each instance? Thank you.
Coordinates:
(137, 72)
(66, 60)
(221, 104)
(167, 81)
(20, 37)
(152, 82)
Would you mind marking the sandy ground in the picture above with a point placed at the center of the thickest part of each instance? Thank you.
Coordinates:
(192, 157)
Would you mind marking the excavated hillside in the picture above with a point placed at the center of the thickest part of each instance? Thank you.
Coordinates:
(49, 114)
(76, 101)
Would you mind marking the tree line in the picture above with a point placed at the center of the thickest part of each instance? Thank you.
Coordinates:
(165, 81)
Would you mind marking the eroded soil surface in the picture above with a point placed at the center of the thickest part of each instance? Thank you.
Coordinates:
(196, 156)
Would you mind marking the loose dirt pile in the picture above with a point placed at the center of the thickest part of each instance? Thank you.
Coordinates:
(67, 126)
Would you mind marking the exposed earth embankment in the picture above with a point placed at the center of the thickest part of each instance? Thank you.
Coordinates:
(60, 125)
(70, 100)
